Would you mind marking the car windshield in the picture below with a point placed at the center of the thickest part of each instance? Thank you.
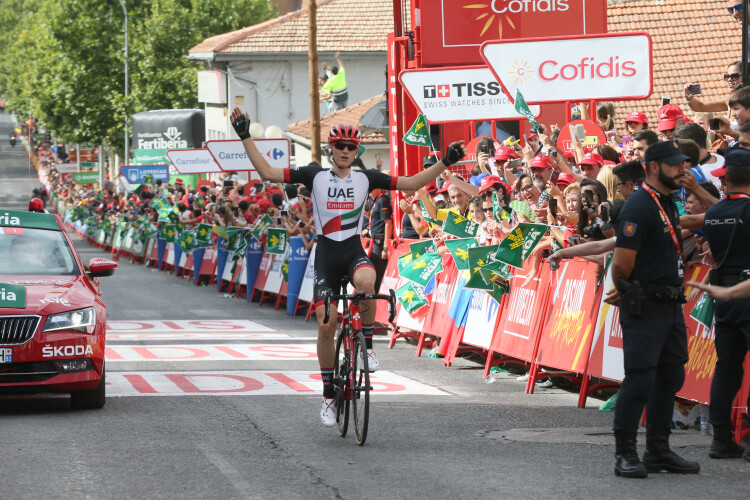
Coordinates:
(25, 251)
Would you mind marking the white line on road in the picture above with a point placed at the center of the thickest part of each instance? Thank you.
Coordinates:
(229, 472)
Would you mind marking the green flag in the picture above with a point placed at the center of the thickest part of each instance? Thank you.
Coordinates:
(523, 109)
(164, 212)
(427, 216)
(496, 271)
(187, 241)
(703, 312)
(413, 299)
(236, 242)
(518, 244)
(277, 240)
(158, 203)
(459, 250)
(523, 208)
(419, 133)
(285, 269)
(498, 290)
(498, 211)
(150, 229)
(204, 233)
(421, 270)
(419, 248)
(361, 151)
(479, 257)
(169, 233)
(148, 178)
(261, 226)
(403, 261)
(460, 227)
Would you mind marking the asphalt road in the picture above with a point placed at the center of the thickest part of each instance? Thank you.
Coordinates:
(441, 432)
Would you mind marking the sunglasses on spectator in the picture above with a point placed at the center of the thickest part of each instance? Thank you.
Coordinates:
(731, 76)
(341, 146)
(737, 8)
(487, 209)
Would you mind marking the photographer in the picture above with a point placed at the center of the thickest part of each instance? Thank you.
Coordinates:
(593, 194)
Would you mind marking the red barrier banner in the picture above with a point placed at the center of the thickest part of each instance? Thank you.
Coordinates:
(263, 271)
(606, 359)
(518, 330)
(209, 262)
(568, 330)
(699, 370)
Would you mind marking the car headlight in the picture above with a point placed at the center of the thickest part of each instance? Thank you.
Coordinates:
(83, 320)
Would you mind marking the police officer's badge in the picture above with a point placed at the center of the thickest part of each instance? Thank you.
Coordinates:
(629, 229)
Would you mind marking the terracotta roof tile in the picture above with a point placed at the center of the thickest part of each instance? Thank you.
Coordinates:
(347, 116)
(693, 41)
(343, 25)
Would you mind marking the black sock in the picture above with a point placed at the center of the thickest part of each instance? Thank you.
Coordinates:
(368, 330)
(327, 377)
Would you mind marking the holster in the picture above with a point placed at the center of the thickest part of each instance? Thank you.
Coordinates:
(631, 297)
(718, 278)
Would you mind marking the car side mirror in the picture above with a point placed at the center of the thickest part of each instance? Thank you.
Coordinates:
(99, 267)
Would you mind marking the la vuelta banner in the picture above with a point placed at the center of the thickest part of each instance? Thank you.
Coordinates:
(699, 370)
(568, 331)
(453, 30)
(519, 325)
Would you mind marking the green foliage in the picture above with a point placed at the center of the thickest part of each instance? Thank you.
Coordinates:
(63, 60)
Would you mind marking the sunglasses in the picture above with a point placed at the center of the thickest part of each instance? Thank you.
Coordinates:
(342, 146)
(732, 76)
(736, 8)
(487, 209)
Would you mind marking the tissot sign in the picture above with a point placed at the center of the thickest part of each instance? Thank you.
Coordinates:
(459, 94)
(608, 66)
(453, 30)
(231, 155)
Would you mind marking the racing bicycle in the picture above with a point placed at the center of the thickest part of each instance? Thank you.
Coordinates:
(351, 375)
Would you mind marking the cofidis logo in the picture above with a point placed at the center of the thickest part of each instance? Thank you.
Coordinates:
(496, 13)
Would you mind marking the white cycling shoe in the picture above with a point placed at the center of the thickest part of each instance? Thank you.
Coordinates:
(372, 361)
(328, 412)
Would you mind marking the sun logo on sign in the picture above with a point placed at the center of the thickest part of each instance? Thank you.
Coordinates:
(520, 72)
(488, 18)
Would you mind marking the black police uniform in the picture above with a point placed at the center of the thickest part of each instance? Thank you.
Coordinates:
(732, 318)
(381, 212)
(653, 328)
(654, 341)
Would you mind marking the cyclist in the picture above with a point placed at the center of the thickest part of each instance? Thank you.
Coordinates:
(338, 196)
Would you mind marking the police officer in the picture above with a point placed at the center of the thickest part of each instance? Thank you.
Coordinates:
(647, 269)
(381, 229)
(727, 229)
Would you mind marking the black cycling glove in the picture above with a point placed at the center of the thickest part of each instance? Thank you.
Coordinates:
(453, 154)
(242, 126)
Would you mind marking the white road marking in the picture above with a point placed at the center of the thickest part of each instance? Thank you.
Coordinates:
(228, 471)
(216, 336)
(247, 383)
(201, 352)
(197, 325)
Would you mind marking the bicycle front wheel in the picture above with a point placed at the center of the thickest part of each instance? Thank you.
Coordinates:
(360, 374)
(341, 383)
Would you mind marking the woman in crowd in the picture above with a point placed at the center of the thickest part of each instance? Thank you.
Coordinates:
(593, 194)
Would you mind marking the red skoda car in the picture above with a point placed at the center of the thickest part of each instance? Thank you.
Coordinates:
(52, 322)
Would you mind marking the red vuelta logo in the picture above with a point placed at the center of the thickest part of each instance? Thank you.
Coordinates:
(587, 68)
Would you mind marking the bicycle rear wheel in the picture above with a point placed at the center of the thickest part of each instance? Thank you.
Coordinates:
(341, 384)
(360, 388)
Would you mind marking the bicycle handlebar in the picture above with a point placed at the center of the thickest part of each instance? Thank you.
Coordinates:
(359, 297)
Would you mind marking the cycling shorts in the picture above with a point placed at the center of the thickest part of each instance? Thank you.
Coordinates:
(334, 261)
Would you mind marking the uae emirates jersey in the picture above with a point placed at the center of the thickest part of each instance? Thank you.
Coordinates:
(338, 203)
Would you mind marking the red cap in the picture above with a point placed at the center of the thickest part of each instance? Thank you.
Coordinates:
(505, 152)
(531, 134)
(264, 204)
(719, 172)
(565, 179)
(488, 182)
(607, 162)
(569, 155)
(445, 187)
(178, 181)
(591, 159)
(637, 117)
(668, 116)
(541, 161)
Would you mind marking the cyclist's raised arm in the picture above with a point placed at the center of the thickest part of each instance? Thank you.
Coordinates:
(453, 154)
(241, 124)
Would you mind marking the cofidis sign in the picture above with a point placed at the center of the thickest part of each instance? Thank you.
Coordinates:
(606, 66)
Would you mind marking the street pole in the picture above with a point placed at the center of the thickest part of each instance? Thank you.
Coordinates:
(127, 146)
(312, 62)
